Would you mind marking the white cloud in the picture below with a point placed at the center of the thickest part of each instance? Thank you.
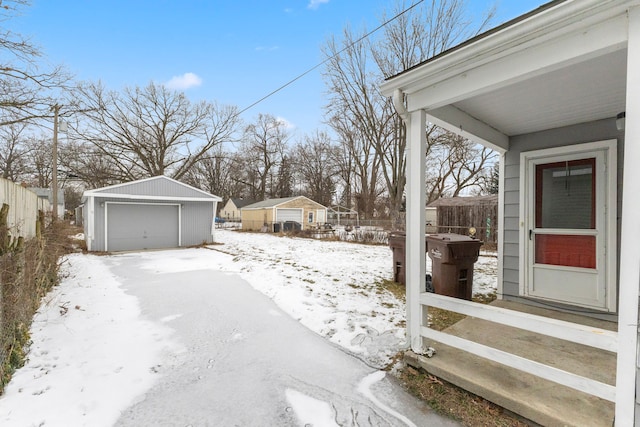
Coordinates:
(314, 4)
(286, 123)
(185, 81)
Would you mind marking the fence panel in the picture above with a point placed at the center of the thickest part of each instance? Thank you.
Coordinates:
(23, 208)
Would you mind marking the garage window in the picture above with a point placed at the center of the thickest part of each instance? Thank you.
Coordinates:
(310, 217)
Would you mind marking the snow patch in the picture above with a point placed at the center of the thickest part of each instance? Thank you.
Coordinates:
(90, 347)
(365, 388)
(311, 411)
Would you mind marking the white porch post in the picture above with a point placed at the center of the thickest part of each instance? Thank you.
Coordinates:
(415, 244)
(629, 248)
(500, 225)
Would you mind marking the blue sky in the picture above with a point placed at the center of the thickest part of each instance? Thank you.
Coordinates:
(228, 51)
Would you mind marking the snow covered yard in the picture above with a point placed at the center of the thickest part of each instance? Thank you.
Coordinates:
(334, 288)
(93, 345)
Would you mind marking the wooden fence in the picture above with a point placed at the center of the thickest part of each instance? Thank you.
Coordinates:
(23, 208)
(459, 219)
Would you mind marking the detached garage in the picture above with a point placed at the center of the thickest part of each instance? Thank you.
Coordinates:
(153, 213)
(276, 214)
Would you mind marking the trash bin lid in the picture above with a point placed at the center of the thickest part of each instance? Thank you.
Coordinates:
(452, 238)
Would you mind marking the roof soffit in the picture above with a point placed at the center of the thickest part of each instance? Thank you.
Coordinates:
(554, 23)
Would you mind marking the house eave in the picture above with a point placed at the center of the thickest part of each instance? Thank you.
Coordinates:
(535, 29)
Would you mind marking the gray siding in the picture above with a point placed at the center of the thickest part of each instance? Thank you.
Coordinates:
(587, 132)
(196, 221)
(154, 187)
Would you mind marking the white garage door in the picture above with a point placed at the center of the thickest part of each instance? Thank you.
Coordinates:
(132, 226)
(283, 215)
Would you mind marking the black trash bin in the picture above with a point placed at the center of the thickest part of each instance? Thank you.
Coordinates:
(452, 258)
(397, 241)
(291, 226)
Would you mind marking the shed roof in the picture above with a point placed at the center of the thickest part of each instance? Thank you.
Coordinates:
(240, 203)
(465, 201)
(157, 187)
(271, 203)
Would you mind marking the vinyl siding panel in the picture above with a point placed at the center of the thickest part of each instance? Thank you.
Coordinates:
(197, 223)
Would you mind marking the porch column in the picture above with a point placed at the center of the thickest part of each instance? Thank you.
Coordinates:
(629, 248)
(415, 244)
(500, 225)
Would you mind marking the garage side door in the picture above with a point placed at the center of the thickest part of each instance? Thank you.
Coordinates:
(131, 227)
(283, 215)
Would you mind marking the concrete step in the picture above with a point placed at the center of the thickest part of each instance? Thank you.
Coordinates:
(541, 401)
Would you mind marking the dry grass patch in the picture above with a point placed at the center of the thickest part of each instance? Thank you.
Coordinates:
(447, 399)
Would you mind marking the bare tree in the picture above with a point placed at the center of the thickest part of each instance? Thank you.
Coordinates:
(363, 161)
(26, 92)
(40, 153)
(456, 165)
(88, 164)
(13, 152)
(152, 130)
(263, 146)
(216, 174)
(354, 113)
(316, 169)
(356, 104)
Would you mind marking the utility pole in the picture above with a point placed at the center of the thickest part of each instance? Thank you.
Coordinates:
(54, 172)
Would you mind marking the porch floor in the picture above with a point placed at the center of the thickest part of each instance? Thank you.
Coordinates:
(538, 400)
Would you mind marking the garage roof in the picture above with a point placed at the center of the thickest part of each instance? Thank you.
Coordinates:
(156, 188)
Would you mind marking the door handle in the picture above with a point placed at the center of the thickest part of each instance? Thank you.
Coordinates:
(530, 233)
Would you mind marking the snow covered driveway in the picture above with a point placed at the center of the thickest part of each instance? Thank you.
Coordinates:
(334, 288)
(174, 338)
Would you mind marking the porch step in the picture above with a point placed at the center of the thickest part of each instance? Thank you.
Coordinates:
(541, 401)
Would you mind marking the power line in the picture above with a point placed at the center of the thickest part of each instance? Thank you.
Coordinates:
(330, 58)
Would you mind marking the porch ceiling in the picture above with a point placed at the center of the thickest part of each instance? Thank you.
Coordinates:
(581, 92)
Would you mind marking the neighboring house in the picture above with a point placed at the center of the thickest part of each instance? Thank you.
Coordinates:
(280, 214)
(459, 214)
(47, 194)
(231, 209)
(550, 91)
(152, 213)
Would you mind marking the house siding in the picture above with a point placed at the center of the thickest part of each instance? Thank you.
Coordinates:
(230, 212)
(582, 133)
(254, 219)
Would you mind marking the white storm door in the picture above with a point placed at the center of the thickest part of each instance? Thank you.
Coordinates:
(568, 229)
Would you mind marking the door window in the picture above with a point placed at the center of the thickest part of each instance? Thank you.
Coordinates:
(565, 199)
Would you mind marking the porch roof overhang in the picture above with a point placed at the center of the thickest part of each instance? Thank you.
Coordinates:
(562, 64)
